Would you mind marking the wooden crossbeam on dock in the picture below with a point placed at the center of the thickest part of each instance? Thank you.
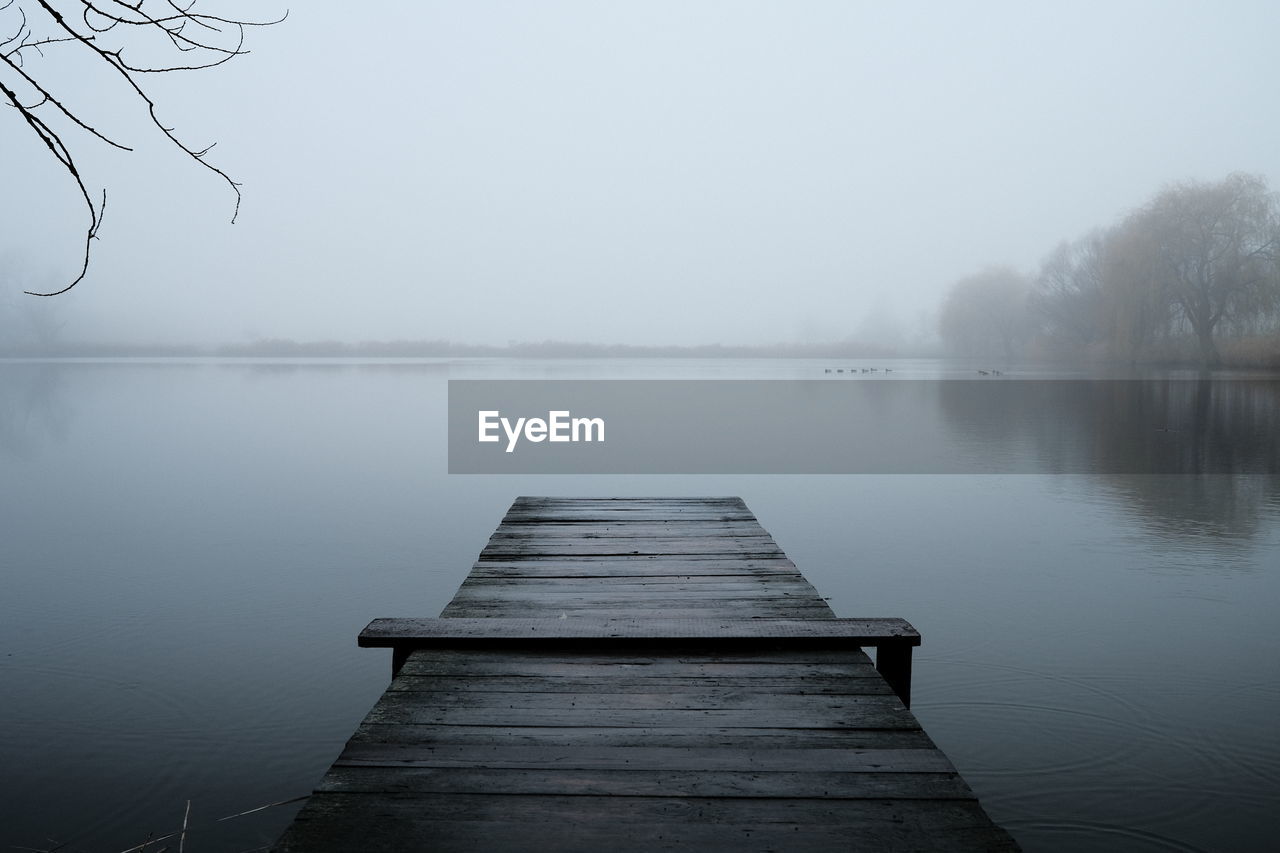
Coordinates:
(635, 675)
(893, 639)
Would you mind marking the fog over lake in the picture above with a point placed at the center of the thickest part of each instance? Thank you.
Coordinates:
(226, 449)
(191, 548)
(645, 173)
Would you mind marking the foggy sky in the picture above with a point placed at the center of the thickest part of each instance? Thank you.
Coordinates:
(655, 172)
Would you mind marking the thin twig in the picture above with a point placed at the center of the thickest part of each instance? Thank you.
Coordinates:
(186, 819)
(137, 848)
(260, 808)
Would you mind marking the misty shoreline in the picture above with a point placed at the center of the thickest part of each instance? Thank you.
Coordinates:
(1261, 352)
(283, 348)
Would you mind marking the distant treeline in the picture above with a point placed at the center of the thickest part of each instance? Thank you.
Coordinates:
(1193, 276)
(72, 349)
(286, 348)
(548, 349)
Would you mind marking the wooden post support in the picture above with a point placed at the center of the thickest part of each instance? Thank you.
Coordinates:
(893, 661)
(399, 654)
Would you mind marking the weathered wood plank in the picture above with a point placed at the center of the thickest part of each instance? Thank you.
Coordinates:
(693, 662)
(358, 823)
(609, 562)
(709, 567)
(869, 683)
(641, 584)
(401, 708)
(348, 776)
(653, 545)
(630, 528)
(518, 520)
(604, 598)
(659, 758)
(842, 705)
(709, 516)
(695, 501)
(829, 632)
(676, 608)
(630, 588)
(720, 737)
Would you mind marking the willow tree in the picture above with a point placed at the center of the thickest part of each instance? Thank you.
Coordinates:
(1070, 295)
(37, 36)
(1136, 307)
(1211, 249)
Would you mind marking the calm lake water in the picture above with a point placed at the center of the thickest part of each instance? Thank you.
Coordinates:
(189, 548)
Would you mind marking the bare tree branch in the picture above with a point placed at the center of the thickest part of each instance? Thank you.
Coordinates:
(213, 39)
(47, 97)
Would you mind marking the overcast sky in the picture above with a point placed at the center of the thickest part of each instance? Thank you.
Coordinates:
(637, 172)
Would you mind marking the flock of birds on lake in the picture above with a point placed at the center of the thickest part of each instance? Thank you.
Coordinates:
(855, 370)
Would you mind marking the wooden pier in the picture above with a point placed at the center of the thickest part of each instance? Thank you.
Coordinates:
(639, 675)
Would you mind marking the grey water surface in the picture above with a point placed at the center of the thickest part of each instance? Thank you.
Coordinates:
(189, 548)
